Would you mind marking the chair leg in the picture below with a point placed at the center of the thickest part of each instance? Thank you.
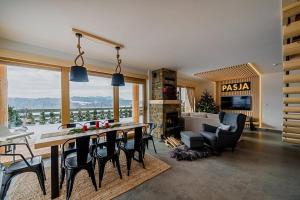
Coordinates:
(153, 145)
(141, 158)
(44, 173)
(40, 176)
(129, 156)
(90, 170)
(70, 181)
(118, 165)
(62, 177)
(101, 171)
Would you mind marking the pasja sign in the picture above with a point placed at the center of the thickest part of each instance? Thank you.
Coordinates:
(232, 87)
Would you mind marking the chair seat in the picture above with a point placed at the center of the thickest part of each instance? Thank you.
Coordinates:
(147, 136)
(129, 145)
(36, 160)
(71, 160)
(102, 153)
(209, 137)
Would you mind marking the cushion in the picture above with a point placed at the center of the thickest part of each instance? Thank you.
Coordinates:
(224, 127)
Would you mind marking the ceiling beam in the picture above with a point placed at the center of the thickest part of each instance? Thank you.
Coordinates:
(98, 38)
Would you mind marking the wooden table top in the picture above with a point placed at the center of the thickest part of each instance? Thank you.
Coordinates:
(60, 136)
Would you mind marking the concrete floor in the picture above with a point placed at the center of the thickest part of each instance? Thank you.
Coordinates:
(262, 167)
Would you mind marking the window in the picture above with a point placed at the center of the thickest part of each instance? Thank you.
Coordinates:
(33, 98)
(183, 97)
(91, 100)
(125, 102)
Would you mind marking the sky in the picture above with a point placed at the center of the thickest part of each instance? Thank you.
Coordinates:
(38, 83)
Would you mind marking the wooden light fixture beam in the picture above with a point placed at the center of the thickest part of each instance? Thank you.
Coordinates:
(98, 38)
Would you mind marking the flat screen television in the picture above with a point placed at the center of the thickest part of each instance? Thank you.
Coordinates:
(236, 103)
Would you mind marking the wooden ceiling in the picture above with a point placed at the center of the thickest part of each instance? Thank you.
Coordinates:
(229, 73)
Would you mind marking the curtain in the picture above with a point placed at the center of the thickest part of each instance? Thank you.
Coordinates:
(190, 93)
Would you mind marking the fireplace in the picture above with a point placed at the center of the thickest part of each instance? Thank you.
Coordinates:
(164, 106)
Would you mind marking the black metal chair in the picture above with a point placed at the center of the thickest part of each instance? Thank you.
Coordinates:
(111, 120)
(33, 164)
(109, 152)
(131, 146)
(76, 161)
(148, 135)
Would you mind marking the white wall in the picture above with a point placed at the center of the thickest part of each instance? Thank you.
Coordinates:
(272, 101)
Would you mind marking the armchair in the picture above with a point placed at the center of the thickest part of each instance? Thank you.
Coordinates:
(220, 139)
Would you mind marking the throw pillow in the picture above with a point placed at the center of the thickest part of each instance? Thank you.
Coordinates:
(224, 127)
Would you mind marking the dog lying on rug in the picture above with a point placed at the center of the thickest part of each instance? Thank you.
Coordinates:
(184, 153)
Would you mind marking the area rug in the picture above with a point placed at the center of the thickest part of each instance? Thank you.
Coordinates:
(184, 153)
(26, 186)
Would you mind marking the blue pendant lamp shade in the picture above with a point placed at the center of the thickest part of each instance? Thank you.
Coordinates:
(79, 73)
(117, 80)
(117, 77)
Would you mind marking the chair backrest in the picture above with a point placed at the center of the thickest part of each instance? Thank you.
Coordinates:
(82, 149)
(138, 138)
(92, 123)
(111, 120)
(236, 121)
(111, 142)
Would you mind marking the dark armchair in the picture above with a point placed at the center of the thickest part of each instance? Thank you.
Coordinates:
(220, 139)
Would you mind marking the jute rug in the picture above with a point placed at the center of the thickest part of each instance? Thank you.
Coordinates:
(26, 186)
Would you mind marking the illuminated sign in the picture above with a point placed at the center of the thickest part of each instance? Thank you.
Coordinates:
(232, 87)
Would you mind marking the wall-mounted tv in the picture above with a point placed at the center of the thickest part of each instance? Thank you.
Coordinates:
(236, 103)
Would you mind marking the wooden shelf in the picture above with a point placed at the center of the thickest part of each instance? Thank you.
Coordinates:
(291, 100)
(291, 116)
(291, 140)
(291, 135)
(291, 130)
(291, 78)
(291, 30)
(291, 90)
(292, 109)
(291, 123)
(291, 65)
(291, 49)
(291, 10)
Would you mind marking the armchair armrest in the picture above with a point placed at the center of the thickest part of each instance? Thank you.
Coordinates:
(226, 137)
(209, 128)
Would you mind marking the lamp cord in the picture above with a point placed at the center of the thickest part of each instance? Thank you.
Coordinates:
(80, 53)
(119, 61)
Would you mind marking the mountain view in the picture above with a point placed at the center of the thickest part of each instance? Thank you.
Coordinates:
(76, 102)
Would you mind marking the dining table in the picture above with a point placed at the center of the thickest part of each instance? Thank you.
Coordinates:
(56, 138)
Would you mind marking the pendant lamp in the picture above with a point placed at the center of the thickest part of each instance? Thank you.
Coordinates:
(117, 77)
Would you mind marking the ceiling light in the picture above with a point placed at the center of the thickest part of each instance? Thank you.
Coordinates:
(78, 73)
(117, 77)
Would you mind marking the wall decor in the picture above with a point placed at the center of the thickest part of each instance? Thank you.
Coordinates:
(231, 87)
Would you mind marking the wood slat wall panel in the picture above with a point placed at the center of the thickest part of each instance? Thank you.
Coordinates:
(291, 50)
(228, 73)
(291, 100)
(291, 65)
(291, 116)
(291, 30)
(254, 92)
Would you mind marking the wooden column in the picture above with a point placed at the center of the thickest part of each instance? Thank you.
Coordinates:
(3, 96)
(135, 102)
(116, 103)
(145, 103)
(65, 95)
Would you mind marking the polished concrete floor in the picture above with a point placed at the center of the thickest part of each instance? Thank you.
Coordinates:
(262, 167)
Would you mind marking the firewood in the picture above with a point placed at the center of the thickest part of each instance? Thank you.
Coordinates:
(172, 142)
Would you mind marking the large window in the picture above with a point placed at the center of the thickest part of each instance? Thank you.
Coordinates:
(91, 100)
(125, 102)
(34, 98)
(186, 103)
